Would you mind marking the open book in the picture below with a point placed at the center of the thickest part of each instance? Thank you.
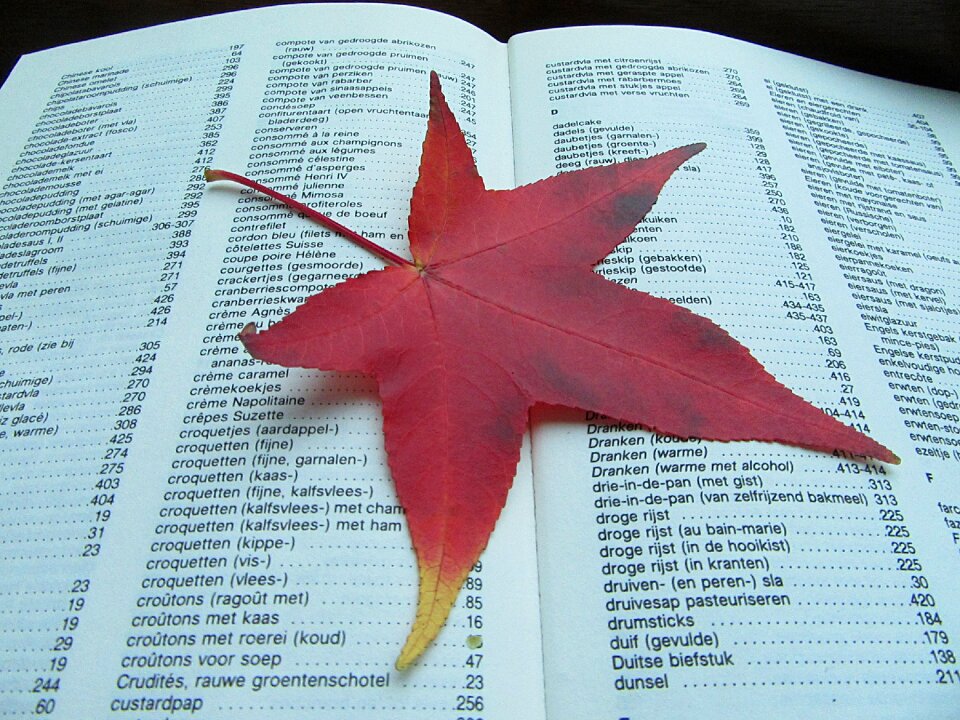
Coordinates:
(190, 533)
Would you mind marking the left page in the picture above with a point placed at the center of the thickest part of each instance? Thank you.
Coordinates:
(186, 531)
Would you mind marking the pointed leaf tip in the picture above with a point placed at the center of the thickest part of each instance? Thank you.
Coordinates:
(436, 599)
(694, 149)
(436, 91)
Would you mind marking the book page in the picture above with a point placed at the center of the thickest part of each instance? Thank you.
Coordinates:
(819, 226)
(188, 532)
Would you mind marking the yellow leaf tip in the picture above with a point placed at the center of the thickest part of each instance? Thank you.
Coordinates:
(435, 600)
(419, 639)
(416, 644)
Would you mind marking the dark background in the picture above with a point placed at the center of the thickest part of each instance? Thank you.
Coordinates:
(914, 41)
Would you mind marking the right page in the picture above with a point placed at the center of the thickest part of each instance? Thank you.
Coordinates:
(819, 227)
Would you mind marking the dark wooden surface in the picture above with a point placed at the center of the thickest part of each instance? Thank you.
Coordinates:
(917, 41)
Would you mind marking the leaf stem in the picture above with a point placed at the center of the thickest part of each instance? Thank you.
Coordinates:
(211, 175)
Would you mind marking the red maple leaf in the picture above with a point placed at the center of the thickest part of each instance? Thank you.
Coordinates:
(501, 309)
